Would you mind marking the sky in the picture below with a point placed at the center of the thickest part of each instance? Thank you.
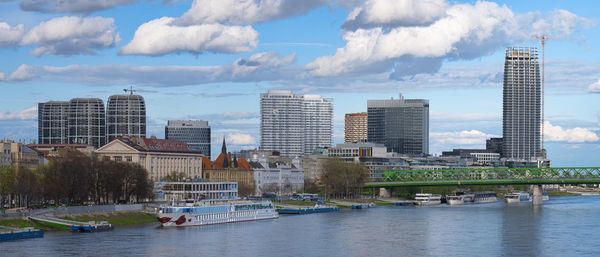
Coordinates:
(211, 60)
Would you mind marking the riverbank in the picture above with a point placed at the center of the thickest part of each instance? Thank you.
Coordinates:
(116, 219)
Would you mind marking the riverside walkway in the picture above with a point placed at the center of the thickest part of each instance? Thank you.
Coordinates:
(75, 226)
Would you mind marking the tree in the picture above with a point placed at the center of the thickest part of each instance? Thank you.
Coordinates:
(7, 185)
(343, 179)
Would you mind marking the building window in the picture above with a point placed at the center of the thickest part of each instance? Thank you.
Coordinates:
(128, 158)
(118, 158)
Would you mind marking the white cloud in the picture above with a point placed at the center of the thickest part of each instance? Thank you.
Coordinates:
(594, 87)
(27, 114)
(10, 35)
(465, 137)
(258, 67)
(554, 133)
(392, 39)
(375, 13)
(161, 36)
(240, 139)
(73, 6)
(245, 12)
(220, 26)
(23, 72)
(71, 35)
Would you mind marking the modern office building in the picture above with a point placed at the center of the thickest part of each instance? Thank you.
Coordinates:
(494, 145)
(195, 133)
(125, 116)
(521, 126)
(87, 122)
(53, 122)
(402, 125)
(355, 127)
(294, 124)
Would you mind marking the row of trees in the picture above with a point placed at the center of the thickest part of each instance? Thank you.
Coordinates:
(342, 179)
(74, 178)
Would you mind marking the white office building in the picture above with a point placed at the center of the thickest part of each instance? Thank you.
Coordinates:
(294, 124)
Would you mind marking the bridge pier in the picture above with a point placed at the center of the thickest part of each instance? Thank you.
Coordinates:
(538, 193)
(384, 192)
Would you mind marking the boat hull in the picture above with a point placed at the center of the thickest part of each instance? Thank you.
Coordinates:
(455, 201)
(183, 220)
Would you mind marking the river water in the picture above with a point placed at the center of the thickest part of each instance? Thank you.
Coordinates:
(563, 226)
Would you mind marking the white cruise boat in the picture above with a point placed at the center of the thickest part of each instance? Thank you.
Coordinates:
(428, 199)
(214, 212)
(517, 197)
(460, 198)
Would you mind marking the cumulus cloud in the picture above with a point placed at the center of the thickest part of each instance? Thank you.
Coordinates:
(375, 13)
(220, 26)
(161, 36)
(380, 39)
(23, 72)
(240, 139)
(465, 137)
(10, 35)
(464, 117)
(594, 87)
(26, 114)
(72, 6)
(245, 12)
(71, 35)
(554, 133)
(258, 67)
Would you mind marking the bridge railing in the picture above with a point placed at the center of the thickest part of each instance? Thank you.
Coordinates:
(479, 174)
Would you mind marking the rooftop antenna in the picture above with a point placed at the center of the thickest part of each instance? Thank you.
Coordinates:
(542, 38)
(130, 90)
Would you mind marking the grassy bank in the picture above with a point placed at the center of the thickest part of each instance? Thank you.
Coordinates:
(117, 218)
(22, 223)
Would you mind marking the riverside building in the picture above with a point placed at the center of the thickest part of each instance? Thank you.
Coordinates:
(355, 127)
(402, 125)
(125, 116)
(294, 124)
(53, 122)
(87, 122)
(195, 133)
(160, 157)
(521, 125)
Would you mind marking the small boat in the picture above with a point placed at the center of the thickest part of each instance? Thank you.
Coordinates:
(363, 206)
(455, 199)
(318, 208)
(427, 199)
(545, 197)
(517, 197)
(9, 233)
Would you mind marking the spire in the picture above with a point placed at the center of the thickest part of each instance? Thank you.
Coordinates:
(224, 147)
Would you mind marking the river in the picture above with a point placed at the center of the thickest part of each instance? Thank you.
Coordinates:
(563, 226)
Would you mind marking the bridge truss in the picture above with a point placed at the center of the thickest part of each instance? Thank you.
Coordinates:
(489, 176)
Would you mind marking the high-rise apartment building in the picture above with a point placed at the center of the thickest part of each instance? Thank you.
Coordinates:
(355, 127)
(521, 126)
(125, 116)
(195, 133)
(87, 122)
(402, 125)
(52, 122)
(295, 124)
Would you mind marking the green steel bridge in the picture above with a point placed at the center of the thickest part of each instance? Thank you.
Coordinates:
(488, 176)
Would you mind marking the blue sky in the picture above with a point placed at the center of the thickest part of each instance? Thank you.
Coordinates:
(210, 59)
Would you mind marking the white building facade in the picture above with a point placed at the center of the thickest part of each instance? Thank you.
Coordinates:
(276, 176)
(160, 157)
(293, 124)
